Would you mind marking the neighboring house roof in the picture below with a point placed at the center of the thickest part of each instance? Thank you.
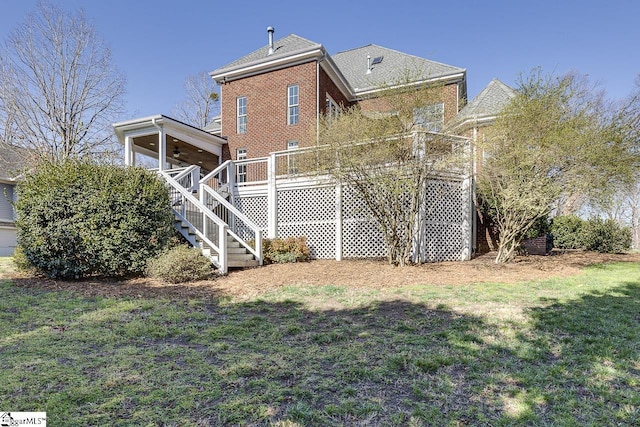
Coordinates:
(394, 67)
(486, 106)
(13, 161)
(215, 127)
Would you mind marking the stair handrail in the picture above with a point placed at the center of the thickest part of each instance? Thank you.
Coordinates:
(257, 251)
(193, 170)
(221, 247)
(216, 171)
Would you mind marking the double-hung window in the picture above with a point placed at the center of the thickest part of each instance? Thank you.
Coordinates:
(332, 109)
(292, 164)
(242, 114)
(241, 169)
(293, 98)
(430, 117)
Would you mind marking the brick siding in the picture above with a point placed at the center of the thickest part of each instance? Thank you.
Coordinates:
(267, 128)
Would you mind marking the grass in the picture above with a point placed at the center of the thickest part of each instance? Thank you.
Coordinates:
(556, 352)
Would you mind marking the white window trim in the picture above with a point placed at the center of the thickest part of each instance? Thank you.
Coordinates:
(241, 170)
(332, 108)
(433, 124)
(241, 118)
(292, 164)
(291, 105)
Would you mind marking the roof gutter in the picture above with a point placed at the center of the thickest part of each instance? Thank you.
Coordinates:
(448, 78)
(257, 67)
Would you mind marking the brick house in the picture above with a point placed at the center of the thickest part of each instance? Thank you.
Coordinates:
(227, 181)
(273, 97)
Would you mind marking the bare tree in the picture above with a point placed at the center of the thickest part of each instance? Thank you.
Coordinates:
(388, 155)
(200, 105)
(552, 142)
(59, 90)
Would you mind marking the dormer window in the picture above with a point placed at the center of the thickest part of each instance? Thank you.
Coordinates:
(293, 92)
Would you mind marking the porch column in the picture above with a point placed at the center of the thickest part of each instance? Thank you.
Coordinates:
(162, 148)
(129, 156)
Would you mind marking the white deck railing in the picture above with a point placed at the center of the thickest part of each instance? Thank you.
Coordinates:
(210, 229)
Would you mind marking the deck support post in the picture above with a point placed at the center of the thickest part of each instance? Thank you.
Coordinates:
(272, 198)
(338, 221)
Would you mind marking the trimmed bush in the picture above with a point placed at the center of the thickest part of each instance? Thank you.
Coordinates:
(180, 264)
(567, 231)
(77, 219)
(606, 236)
(291, 249)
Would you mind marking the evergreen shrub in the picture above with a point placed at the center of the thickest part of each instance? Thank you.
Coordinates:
(606, 236)
(77, 219)
(567, 231)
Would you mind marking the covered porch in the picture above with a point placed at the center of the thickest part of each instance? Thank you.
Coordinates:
(162, 142)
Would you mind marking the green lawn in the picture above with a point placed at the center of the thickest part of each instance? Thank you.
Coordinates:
(559, 352)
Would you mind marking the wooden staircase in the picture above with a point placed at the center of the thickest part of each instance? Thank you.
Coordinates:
(211, 223)
(237, 255)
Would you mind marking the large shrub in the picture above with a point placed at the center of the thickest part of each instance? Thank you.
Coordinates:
(606, 236)
(77, 219)
(567, 231)
(180, 264)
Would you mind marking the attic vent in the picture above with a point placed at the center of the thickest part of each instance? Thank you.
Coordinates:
(377, 60)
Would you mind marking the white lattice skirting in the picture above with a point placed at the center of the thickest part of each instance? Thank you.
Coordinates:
(338, 225)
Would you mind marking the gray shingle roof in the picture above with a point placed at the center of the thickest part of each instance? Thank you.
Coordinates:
(395, 67)
(282, 48)
(488, 103)
(352, 64)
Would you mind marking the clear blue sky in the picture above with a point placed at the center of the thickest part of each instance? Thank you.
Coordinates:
(158, 44)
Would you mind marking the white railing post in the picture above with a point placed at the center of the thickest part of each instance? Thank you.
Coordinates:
(231, 176)
(338, 221)
(272, 198)
(195, 178)
(222, 248)
(467, 219)
(259, 247)
(201, 197)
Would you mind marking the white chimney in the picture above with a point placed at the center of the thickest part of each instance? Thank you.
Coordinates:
(270, 30)
(368, 64)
